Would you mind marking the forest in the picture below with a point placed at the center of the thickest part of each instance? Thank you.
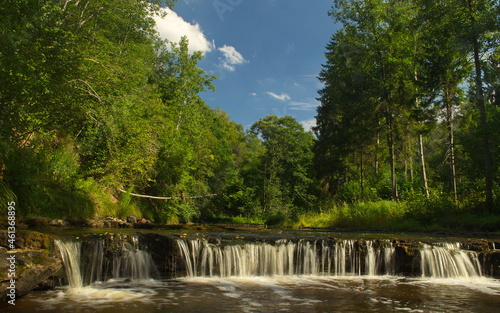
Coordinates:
(97, 109)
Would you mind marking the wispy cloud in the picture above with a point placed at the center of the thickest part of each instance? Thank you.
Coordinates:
(253, 94)
(304, 105)
(230, 58)
(282, 97)
(308, 124)
(172, 27)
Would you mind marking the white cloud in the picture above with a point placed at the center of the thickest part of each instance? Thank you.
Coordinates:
(308, 124)
(230, 58)
(253, 94)
(304, 106)
(282, 97)
(172, 27)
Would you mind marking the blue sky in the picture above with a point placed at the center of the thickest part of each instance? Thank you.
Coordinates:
(266, 53)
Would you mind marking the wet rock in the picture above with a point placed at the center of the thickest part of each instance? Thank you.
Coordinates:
(164, 251)
(491, 263)
(27, 240)
(30, 267)
(478, 245)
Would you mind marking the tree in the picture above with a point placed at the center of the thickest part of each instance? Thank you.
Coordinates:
(38, 59)
(286, 165)
(345, 121)
(77, 72)
(445, 68)
(468, 30)
(186, 160)
(376, 38)
(481, 19)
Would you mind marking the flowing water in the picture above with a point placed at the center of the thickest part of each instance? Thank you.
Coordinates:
(282, 276)
(287, 258)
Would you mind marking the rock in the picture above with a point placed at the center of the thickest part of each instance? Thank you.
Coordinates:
(59, 223)
(32, 265)
(144, 224)
(27, 240)
(491, 263)
(32, 268)
(94, 223)
(131, 219)
(112, 218)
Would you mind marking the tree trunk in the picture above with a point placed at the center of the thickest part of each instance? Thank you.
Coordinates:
(2, 169)
(487, 158)
(422, 162)
(362, 175)
(484, 126)
(392, 158)
(376, 156)
(451, 143)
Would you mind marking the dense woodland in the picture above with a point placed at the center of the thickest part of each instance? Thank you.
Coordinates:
(96, 109)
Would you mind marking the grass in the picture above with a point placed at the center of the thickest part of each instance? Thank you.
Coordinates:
(393, 216)
(369, 215)
(237, 219)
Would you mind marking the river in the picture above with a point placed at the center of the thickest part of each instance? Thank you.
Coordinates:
(278, 275)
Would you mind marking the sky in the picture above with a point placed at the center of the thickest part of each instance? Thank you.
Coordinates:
(267, 54)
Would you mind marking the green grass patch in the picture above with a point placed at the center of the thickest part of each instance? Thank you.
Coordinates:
(369, 215)
(239, 219)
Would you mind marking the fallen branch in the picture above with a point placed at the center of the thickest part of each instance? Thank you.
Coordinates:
(167, 198)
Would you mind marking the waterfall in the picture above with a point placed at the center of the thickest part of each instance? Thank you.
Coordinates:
(70, 253)
(96, 261)
(448, 260)
(103, 258)
(321, 257)
(133, 263)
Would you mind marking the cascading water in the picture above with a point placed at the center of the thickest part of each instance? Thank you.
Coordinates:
(97, 263)
(448, 260)
(296, 275)
(70, 253)
(133, 263)
(121, 258)
(322, 257)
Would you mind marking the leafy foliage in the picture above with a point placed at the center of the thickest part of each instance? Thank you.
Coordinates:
(403, 76)
(95, 106)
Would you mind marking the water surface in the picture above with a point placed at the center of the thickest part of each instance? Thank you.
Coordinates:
(272, 294)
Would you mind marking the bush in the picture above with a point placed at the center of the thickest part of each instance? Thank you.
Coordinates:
(42, 178)
(276, 220)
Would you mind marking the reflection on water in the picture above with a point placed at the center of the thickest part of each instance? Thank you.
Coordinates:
(272, 294)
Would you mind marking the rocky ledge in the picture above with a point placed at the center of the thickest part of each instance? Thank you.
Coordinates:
(101, 222)
(30, 267)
